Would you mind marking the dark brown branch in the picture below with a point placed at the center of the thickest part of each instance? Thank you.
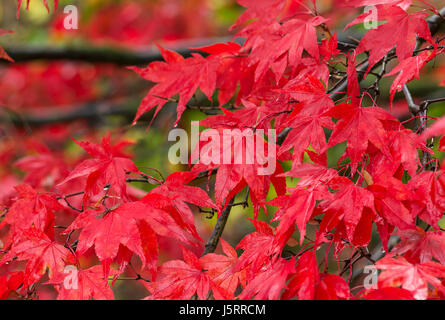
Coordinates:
(218, 229)
(117, 56)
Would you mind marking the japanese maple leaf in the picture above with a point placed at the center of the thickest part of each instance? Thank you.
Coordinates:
(390, 195)
(175, 188)
(352, 205)
(429, 186)
(307, 130)
(108, 167)
(221, 268)
(359, 126)
(233, 71)
(312, 93)
(404, 145)
(260, 248)
(407, 70)
(400, 30)
(45, 2)
(295, 208)
(3, 54)
(309, 284)
(243, 168)
(312, 175)
(418, 246)
(31, 210)
(282, 44)
(41, 254)
(195, 72)
(397, 272)
(180, 280)
(131, 227)
(83, 284)
(268, 284)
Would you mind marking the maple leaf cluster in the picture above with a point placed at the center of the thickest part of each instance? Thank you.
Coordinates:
(279, 78)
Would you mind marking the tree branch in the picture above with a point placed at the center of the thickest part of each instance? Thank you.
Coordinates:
(218, 229)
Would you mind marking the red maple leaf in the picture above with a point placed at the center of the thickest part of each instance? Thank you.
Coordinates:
(260, 248)
(400, 30)
(107, 168)
(180, 280)
(359, 126)
(221, 268)
(243, 167)
(175, 188)
(294, 208)
(269, 283)
(31, 210)
(408, 69)
(397, 272)
(418, 246)
(41, 254)
(130, 227)
(83, 284)
(354, 207)
(309, 284)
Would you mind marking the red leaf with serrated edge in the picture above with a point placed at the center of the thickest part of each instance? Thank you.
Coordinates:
(350, 205)
(260, 248)
(412, 277)
(129, 226)
(359, 126)
(400, 30)
(429, 187)
(41, 254)
(196, 71)
(309, 284)
(306, 276)
(81, 284)
(175, 188)
(108, 167)
(269, 283)
(240, 163)
(180, 280)
(221, 268)
(31, 210)
(407, 70)
(418, 246)
(307, 130)
(295, 208)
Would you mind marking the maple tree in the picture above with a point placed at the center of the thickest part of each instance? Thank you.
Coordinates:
(379, 200)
